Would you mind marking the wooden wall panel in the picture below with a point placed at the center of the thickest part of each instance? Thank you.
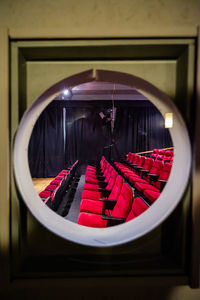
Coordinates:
(34, 68)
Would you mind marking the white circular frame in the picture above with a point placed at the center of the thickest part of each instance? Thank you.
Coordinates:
(116, 235)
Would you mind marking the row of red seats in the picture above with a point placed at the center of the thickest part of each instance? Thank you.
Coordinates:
(107, 202)
(49, 193)
(165, 155)
(162, 155)
(147, 176)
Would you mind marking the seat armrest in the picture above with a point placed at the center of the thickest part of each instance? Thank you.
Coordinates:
(101, 177)
(139, 168)
(130, 164)
(57, 183)
(99, 174)
(166, 160)
(112, 221)
(153, 177)
(44, 199)
(144, 173)
(102, 184)
(106, 199)
(104, 192)
(108, 204)
(48, 201)
(162, 184)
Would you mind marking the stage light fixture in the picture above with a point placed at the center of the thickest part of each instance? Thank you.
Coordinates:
(67, 93)
(168, 120)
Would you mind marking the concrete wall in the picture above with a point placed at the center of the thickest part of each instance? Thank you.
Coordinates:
(103, 18)
(100, 18)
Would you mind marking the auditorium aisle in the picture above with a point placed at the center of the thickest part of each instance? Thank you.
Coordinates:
(75, 206)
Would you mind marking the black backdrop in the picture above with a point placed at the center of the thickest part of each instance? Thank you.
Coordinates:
(70, 130)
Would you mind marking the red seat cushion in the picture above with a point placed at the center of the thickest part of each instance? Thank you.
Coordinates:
(51, 186)
(124, 202)
(134, 179)
(145, 186)
(92, 206)
(138, 207)
(90, 173)
(90, 187)
(91, 220)
(55, 181)
(60, 177)
(45, 194)
(91, 180)
(89, 194)
(151, 195)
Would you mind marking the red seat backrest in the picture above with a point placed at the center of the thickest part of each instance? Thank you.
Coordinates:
(45, 194)
(132, 157)
(51, 186)
(156, 167)
(147, 164)
(154, 153)
(106, 169)
(112, 180)
(109, 173)
(141, 161)
(129, 156)
(165, 171)
(136, 158)
(116, 188)
(124, 202)
(161, 152)
(138, 207)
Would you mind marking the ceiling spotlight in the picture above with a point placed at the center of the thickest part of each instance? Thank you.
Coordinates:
(66, 92)
(168, 120)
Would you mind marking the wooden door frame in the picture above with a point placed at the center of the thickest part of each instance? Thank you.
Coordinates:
(5, 37)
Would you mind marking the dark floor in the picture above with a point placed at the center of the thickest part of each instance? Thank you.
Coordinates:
(75, 206)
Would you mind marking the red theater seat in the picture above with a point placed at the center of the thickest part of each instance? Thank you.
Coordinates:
(160, 155)
(93, 178)
(135, 160)
(168, 157)
(94, 195)
(151, 195)
(95, 187)
(143, 172)
(155, 170)
(60, 177)
(121, 209)
(90, 205)
(157, 185)
(50, 187)
(155, 153)
(129, 156)
(138, 207)
(56, 181)
(45, 194)
(140, 163)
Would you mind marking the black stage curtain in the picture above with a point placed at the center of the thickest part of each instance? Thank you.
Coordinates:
(46, 147)
(86, 134)
(139, 129)
(69, 130)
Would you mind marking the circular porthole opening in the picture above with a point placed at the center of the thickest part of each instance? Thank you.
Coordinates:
(102, 161)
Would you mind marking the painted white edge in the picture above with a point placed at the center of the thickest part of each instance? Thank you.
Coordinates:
(103, 237)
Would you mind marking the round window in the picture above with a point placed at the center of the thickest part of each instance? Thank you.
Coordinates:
(108, 115)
